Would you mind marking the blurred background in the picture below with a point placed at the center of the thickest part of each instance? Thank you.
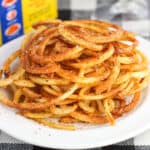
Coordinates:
(133, 15)
(17, 16)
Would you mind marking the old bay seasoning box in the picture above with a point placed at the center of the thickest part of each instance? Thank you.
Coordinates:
(17, 16)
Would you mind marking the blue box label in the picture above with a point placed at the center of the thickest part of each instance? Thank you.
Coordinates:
(11, 19)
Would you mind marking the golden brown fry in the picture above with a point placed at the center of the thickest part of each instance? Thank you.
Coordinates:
(13, 77)
(17, 96)
(107, 106)
(36, 115)
(30, 94)
(7, 63)
(75, 71)
(24, 83)
(55, 125)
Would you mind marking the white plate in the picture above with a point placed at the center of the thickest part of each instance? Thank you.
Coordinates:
(88, 136)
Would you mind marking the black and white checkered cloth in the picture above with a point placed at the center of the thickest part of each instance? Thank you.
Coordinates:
(91, 9)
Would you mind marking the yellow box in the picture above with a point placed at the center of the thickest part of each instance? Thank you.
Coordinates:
(17, 16)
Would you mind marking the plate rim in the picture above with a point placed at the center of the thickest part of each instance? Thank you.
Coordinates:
(113, 141)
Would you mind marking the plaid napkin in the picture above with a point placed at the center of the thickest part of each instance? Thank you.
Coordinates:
(95, 9)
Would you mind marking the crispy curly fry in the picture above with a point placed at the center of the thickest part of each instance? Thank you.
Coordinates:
(75, 71)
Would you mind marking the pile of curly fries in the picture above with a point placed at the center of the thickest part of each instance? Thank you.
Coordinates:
(75, 71)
